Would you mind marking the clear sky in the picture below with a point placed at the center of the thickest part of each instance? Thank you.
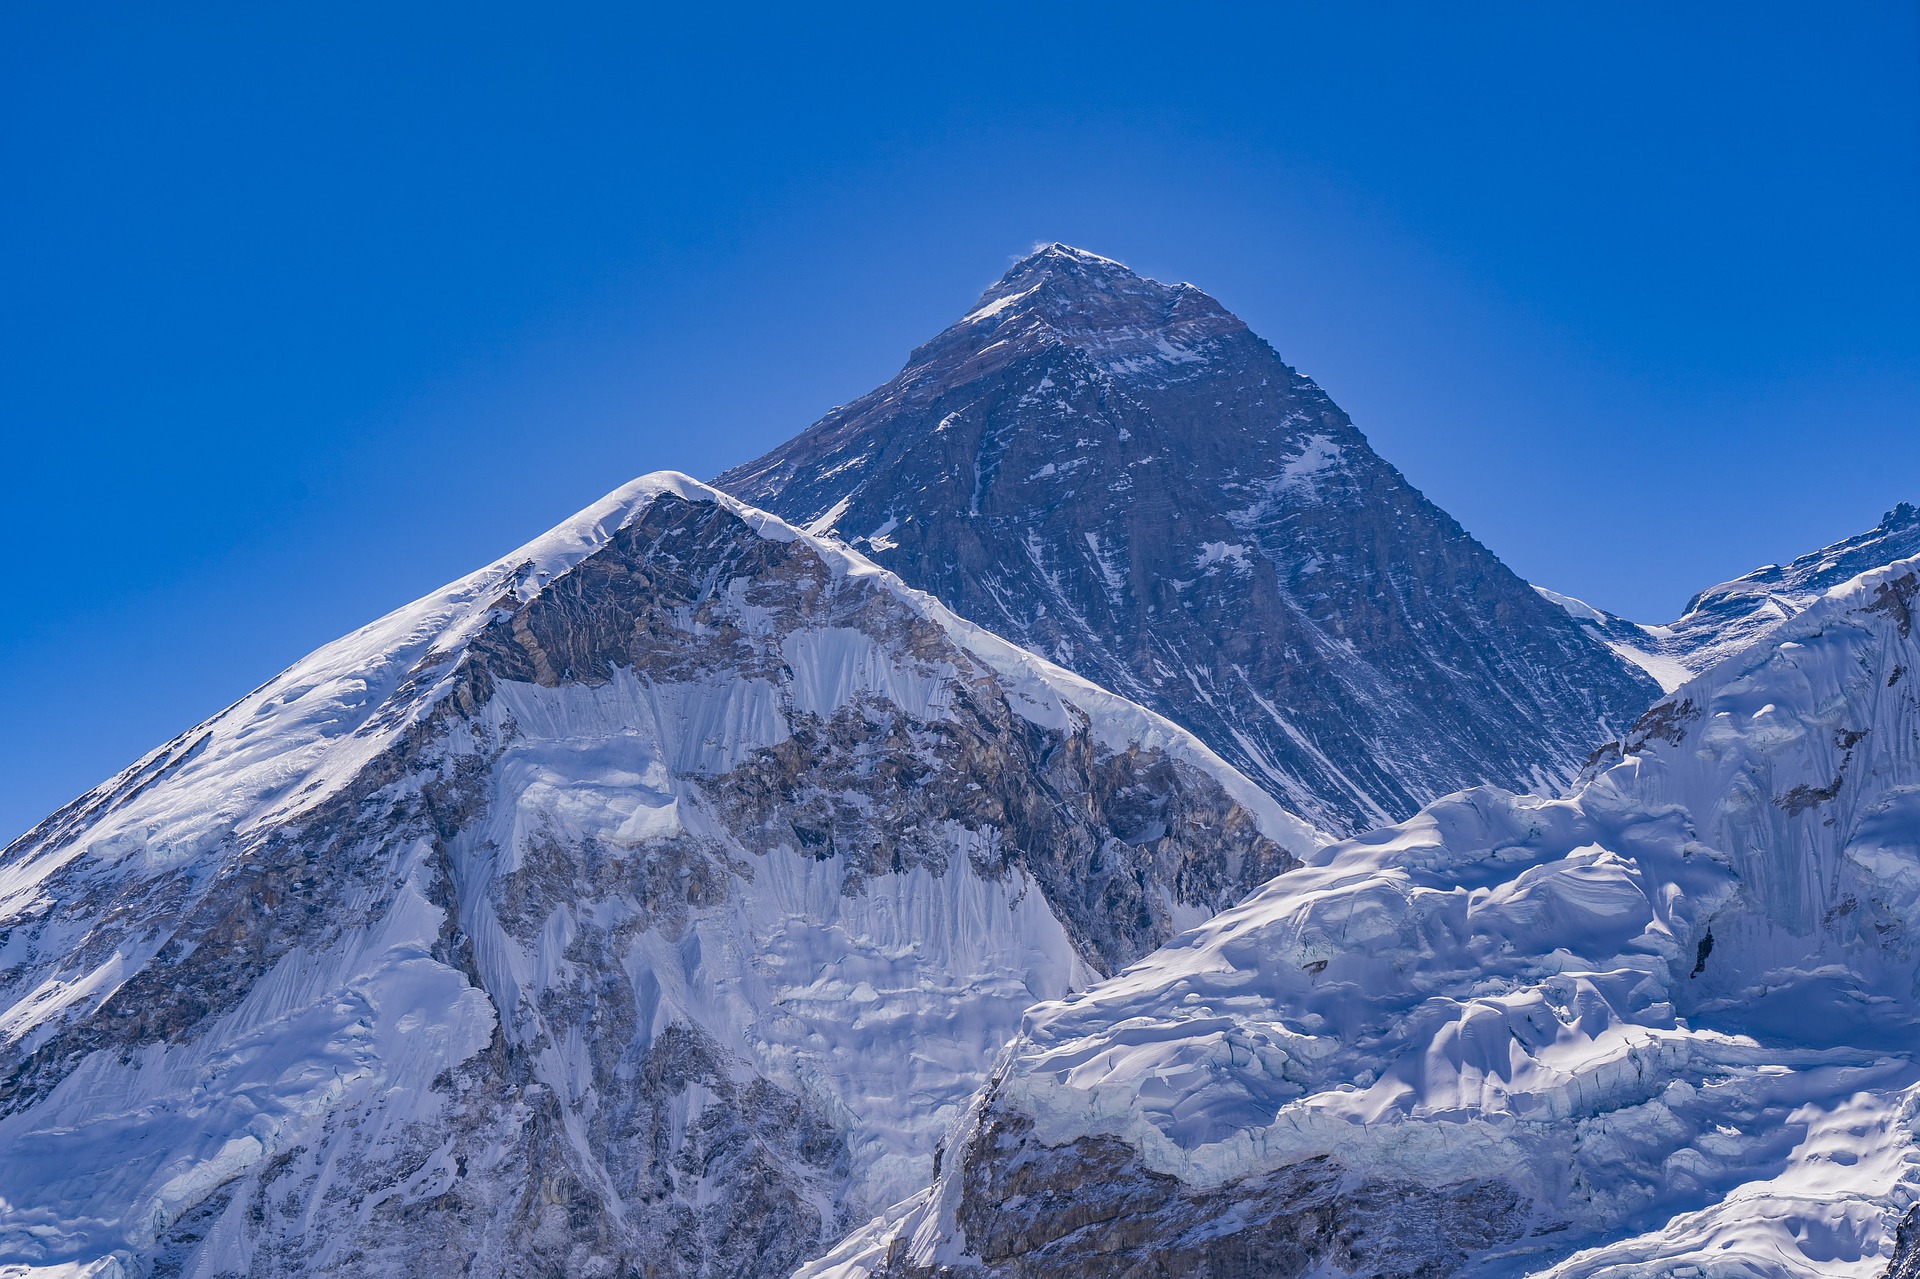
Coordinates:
(309, 309)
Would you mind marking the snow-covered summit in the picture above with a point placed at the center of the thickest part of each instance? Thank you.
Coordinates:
(1723, 618)
(294, 741)
(648, 901)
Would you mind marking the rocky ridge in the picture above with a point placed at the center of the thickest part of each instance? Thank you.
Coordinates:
(1722, 620)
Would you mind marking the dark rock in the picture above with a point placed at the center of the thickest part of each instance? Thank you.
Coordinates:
(1092, 1208)
(1119, 475)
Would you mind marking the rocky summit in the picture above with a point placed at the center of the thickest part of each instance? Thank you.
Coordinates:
(1118, 474)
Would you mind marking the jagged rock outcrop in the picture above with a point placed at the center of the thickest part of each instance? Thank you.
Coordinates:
(645, 903)
(1117, 474)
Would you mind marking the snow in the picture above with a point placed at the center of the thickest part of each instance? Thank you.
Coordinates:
(122, 1146)
(834, 666)
(889, 1004)
(824, 525)
(1823, 1213)
(1668, 672)
(1518, 987)
(998, 305)
(1216, 553)
(1576, 608)
(880, 540)
(895, 1000)
(891, 1001)
(1303, 477)
(1111, 575)
(1316, 457)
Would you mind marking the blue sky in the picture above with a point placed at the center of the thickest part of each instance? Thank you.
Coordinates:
(311, 309)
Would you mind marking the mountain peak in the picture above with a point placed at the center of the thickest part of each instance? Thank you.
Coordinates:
(1115, 472)
(1059, 296)
(1071, 253)
(1071, 263)
(1059, 277)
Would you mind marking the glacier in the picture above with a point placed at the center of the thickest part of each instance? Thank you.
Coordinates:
(1661, 1026)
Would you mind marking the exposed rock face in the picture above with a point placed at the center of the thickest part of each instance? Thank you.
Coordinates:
(647, 903)
(1093, 1208)
(1662, 1027)
(1906, 1251)
(1723, 619)
(1119, 475)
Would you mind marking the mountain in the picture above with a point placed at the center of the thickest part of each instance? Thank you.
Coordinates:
(1664, 1026)
(647, 902)
(1118, 474)
(1723, 619)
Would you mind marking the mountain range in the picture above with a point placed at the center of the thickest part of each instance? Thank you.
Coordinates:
(1660, 1026)
(1074, 810)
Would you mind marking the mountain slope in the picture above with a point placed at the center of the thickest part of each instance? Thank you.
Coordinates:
(1723, 619)
(646, 902)
(1117, 474)
(1662, 1027)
